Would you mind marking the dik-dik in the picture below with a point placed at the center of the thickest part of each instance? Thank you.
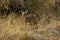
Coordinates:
(30, 18)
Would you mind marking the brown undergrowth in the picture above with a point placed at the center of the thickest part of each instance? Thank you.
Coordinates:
(13, 28)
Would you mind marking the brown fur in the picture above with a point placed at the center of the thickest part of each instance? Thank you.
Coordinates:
(30, 18)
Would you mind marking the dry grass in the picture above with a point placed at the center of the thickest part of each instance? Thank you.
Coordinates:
(13, 28)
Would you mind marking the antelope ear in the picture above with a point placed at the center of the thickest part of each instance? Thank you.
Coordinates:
(21, 11)
(26, 11)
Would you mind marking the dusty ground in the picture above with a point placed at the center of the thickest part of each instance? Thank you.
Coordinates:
(14, 28)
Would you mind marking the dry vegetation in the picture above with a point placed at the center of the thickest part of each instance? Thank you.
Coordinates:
(14, 27)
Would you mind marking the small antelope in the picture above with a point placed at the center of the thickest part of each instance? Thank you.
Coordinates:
(30, 18)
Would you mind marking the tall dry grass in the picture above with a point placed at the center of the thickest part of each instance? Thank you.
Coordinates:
(13, 28)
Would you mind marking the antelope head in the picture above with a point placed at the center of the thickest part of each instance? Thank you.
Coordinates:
(24, 12)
